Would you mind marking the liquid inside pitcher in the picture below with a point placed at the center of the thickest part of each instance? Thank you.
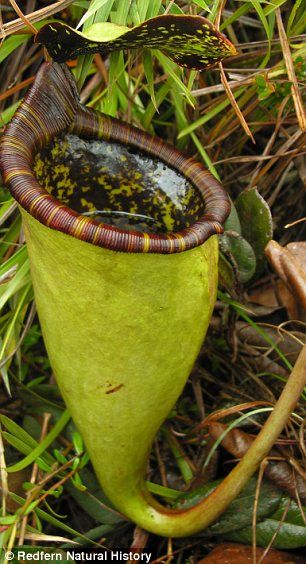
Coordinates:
(118, 185)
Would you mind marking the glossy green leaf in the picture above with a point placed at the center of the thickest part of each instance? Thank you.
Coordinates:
(95, 5)
(233, 223)
(78, 443)
(8, 113)
(149, 72)
(11, 43)
(191, 41)
(152, 8)
(175, 9)
(18, 432)
(240, 254)
(203, 5)
(24, 449)
(8, 519)
(240, 512)
(256, 222)
(21, 279)
(291, 529)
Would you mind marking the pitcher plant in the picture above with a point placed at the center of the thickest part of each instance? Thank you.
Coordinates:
(121, 230)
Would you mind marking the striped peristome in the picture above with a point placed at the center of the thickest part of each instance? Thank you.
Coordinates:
(51, 108)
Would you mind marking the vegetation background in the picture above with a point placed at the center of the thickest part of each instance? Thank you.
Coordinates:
(245, 120)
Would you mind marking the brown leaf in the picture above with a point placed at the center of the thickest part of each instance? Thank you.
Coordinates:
(140, 539)
(288, 301)
(15, 482)
(272, 297)
(229, 553)
(280, 472)
(290, 344)
(264, 296)
(290, 264)
(295, 91)
(299, 252)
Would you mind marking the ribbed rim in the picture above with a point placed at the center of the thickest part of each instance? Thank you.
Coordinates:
(51, 108)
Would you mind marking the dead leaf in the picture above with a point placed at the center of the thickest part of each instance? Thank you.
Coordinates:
(15, 482)
(264, 296)
(289, 343)
(279, 471)
(232, 553)
(287, 300)
(290, 264)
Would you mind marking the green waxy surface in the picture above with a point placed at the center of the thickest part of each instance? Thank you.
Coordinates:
(240, 254)
(191, 41)
(122, 332)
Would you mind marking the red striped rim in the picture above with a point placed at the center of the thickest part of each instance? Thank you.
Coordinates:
(51, 108)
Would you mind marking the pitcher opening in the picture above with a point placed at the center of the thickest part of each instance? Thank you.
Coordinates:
(118, 185)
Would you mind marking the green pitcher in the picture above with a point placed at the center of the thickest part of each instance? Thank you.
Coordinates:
(124, 307)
